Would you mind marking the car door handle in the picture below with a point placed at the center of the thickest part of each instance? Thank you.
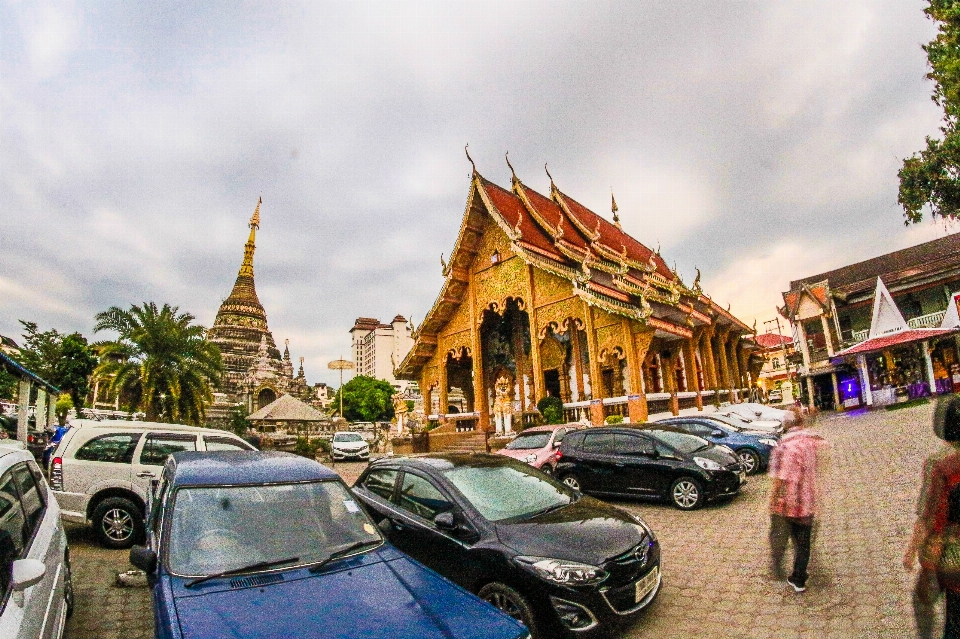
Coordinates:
(397, 524)
(145, 473)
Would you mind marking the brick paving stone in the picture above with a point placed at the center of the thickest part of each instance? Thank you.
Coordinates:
(715, 560)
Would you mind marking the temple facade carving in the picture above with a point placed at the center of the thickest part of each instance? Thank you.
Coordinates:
(543, 297)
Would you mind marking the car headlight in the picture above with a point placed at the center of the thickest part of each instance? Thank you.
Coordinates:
(532, 457)
(768, 442)
(707, 464)
(562, 571)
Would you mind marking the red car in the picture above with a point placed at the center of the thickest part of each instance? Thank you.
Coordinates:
(539, 446)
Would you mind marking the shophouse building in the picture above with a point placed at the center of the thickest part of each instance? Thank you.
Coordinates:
(878, 331)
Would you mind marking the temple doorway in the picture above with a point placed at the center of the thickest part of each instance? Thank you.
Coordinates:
(505, 340)
(265, 397)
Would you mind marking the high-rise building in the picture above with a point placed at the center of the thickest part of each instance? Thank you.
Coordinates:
(379, 348)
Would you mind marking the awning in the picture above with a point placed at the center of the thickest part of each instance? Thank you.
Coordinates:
(15, 368)
(899, 338)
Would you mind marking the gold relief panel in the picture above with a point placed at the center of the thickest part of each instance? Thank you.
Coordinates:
(642, 342)
(456, 344)
(460, 321)
(609, 338)
(603, 319)
(558, 316)
(548, 288)
(493, 248)
(495, 285)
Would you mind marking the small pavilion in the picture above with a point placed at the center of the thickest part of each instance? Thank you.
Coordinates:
(895, 362)
(287, 412)
(46, 401)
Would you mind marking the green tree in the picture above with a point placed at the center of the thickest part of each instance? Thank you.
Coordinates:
(66, 361)
(365, 399)
(552, 410)
(161, 362)
(8, 385)
(238, 423)
(932, 177)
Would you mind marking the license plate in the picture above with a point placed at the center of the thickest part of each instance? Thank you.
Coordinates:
(645, 585)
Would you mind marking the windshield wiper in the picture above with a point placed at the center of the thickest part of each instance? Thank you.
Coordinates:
(260, 565)
(343, 551)
(548, 509)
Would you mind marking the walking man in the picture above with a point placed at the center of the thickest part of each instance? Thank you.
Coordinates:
(793, 497)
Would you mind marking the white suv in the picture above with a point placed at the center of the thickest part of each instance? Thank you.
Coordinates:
(346, 445)
(101, 471)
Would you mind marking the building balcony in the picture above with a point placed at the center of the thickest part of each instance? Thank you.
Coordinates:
(930, 320)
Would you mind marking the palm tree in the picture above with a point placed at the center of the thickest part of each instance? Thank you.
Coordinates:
(161, 363)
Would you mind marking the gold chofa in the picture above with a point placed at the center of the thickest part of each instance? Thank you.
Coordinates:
(247, 267)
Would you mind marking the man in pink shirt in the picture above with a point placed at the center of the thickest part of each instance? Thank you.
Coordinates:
(793, 496)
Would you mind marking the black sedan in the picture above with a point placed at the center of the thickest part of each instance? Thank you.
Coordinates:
(658, 461)
(558, 561)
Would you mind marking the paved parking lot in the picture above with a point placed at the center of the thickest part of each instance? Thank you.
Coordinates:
(715, 559)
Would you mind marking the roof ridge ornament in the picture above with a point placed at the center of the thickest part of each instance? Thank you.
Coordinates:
(465, 150)
(614, 208)
(512, 172)
(696, 283)
(445, 268)
(552, 186)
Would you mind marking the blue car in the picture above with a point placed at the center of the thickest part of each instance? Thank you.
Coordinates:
(261, 544)
(752, 447)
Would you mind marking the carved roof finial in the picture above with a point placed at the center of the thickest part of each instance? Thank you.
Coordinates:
(548, 175)
(255, 218)
(696, 283)
(614, 208)
(512, 172)
(470, 158)
(444, 266)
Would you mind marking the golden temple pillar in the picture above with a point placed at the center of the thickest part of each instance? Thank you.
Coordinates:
(444, 387)
(726, 382)
(538, 383)
(706, 356)
(733, 344)
(637, 349)
(577, 355)
(596, 384)
(480, 401)
(690, 359)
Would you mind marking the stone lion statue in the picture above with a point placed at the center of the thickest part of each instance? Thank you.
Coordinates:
(400, 411)
(503, 406)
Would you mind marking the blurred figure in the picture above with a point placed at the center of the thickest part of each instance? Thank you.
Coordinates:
(794, 496)
(936, 535)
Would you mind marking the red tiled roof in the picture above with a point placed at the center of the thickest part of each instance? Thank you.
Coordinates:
(771, 340)
(512, 209)
(882, 342)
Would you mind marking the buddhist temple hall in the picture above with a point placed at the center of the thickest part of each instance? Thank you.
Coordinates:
(543, 297)
(256, 373)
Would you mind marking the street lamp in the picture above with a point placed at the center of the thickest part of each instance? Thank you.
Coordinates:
(341, 365)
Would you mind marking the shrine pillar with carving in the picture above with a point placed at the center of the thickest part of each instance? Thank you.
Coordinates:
(637, 346)
(690, 359)
(481, 403)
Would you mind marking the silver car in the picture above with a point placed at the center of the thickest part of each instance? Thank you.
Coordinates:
(36, 589)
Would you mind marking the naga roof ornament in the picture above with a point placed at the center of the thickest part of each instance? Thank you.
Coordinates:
(614, 209)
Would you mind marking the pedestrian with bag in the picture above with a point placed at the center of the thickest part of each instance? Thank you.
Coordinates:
(936, 535)
(794, 496)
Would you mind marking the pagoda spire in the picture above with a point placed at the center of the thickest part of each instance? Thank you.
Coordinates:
(247, 267)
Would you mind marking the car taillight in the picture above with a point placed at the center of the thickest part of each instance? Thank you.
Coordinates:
(557, 455)
(31, 439)
(56, 474)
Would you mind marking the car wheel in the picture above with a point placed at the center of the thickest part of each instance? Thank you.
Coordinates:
(511, 602)
(118, 523)
(572, 481)
(67, 585)
(750, 460)
(686, 493)
(546, 469)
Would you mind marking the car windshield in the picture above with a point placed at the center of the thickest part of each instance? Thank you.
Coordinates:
(223, 528)
(347, 437)
(680, 441)
(732, 421)
(529, 441)
(505, 491)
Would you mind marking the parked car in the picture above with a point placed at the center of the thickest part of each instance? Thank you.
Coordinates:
(36, 439)
(775, 396)
(267, 544)
(739, 421)
(751, 446)
(101, 471)
(754, 411)
(36, 587)
(348, 445)
(658, 462)
(538, 446)
(558, 561)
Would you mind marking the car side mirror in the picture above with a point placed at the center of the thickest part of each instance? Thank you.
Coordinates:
(26, 573)
(557, 444)
(445, 521)
(143, 558)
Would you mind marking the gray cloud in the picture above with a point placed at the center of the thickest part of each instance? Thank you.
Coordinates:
(758, 141)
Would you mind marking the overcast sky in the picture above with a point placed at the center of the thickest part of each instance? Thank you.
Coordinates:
(757, 141)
